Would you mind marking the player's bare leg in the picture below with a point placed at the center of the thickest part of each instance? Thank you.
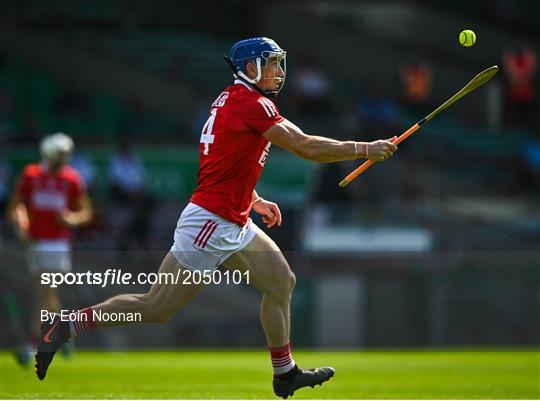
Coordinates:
(271, 274)
(158, 305)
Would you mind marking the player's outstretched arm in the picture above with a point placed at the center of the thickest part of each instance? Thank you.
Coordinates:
(321, 149)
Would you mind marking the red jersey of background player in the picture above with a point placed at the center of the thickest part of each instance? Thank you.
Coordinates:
(233, 151)
(46, 195)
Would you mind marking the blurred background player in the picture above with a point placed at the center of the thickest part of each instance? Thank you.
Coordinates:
(49, 200)
(215, 228)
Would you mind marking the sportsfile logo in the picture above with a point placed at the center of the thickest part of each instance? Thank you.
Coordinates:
(119, 277)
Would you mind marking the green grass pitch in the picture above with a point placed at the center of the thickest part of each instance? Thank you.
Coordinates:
(247, 375)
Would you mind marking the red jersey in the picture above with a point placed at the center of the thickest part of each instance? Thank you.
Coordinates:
(233, 151)
(46, 196)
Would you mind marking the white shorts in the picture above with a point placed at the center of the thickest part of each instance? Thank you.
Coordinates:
(203, 240)
(49, 255)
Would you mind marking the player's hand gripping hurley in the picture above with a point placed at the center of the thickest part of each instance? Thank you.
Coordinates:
(474, 83)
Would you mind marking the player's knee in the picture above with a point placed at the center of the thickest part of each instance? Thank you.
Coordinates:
(292, 282)
(288, 283)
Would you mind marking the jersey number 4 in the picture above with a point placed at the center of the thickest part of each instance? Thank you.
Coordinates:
(206, 135)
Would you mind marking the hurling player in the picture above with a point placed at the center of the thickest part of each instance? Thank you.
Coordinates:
(215, 229)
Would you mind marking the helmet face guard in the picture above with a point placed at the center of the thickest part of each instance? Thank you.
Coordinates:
(262, 52)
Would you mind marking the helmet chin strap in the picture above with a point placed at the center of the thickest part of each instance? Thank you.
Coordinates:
(252, 80)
